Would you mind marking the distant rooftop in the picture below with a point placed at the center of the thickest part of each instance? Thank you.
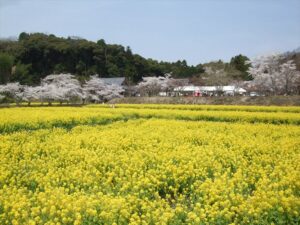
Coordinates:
(114, 80)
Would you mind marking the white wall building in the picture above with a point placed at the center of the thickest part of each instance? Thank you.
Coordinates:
(209, 90)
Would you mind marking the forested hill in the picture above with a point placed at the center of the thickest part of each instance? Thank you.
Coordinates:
(33, 56)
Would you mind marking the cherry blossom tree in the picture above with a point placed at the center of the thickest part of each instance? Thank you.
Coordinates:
(290, 77)
(50, 93)
(266, 72)
(61, 87)
(274, 74)
(96, 90)
(112, 91)
(31, 94)
(151, 86)
(92, 89)
(12, 90)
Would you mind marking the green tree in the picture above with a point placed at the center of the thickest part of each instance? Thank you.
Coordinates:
(6, 63)
(23, 36)
(49, 54)
(81, 68)
(240, 63)
(132, 75)
(22, 74)
(59, 68)
(113, 70)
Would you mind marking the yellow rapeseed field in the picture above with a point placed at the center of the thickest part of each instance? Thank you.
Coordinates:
(150, 164)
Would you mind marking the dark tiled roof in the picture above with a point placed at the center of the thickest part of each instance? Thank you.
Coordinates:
(114, 80)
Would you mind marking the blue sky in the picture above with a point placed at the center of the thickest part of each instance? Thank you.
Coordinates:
(195, 30)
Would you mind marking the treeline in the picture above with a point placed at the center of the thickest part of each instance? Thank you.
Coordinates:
(34, 56)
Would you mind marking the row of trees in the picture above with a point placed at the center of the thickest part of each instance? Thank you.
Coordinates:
(36, 55)
(274, 74)
(61, 88)
(66, 88)
(33, 56)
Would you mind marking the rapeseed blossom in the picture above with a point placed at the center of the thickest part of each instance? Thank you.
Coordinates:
(143, 165)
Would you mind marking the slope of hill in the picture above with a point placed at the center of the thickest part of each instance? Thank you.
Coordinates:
(38, 55)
